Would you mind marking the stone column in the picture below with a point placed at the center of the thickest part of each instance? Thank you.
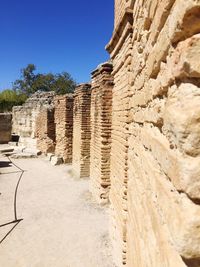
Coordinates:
(101, 118)
(64, 126)
(81, 131)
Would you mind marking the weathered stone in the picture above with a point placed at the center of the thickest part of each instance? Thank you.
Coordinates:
(56, 160)
(155, 185)
(101, 118)
(45, 130)
(5, 127)
(64, 126)
(24, 117)
(81, 130)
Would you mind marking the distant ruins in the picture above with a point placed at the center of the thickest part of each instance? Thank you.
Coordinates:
(135, 131)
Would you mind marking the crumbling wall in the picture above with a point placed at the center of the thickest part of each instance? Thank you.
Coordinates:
(155, 182)
(5, 127)
(24, 117)
(45, 130)
(81, 130)
(64, 126)
(101, 115)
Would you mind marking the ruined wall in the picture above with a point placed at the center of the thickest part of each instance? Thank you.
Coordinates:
(45, 130)
(101, 115)
(24, 117)
(121, 8)
(81, 130)
(155, 182)
(5, 127)
(120, 48)
(64, 126)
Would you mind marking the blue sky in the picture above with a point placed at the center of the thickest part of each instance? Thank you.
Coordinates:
(55, 35)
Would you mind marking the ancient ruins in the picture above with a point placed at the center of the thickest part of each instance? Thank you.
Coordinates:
(135, 132)
(81, 132)
(5, 127)
(101, 120)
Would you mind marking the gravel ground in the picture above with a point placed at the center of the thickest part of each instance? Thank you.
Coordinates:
(61, 226)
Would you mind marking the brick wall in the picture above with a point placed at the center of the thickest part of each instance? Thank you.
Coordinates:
(81, 131)
(155, 184)
(120, 48)
(64, 126)
(101, 115)
(5, 127)
(45, 130)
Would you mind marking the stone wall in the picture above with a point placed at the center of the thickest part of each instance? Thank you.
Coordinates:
(64, 126)
(81, 131)
(24, 117)
(120, 48)
(101, 115)
(45, 130)
(5, 127)
(155, 181)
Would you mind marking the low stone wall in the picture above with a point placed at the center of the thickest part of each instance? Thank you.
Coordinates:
(5, 127)
(81, 131)
(64, 126)
(101, 116)
(45, 130)
(24, 117)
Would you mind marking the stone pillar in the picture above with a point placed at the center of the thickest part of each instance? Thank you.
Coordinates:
(101, 117)
(5, 127)
(64, 127)
(45, 130)
(120, 48)
(81, 131)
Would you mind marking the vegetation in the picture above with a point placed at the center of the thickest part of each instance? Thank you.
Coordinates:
(10, 98)
(31, 82)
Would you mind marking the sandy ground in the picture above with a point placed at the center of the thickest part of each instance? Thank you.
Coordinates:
(61, 225)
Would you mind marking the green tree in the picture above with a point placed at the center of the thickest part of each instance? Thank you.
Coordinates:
(27, 80)
(30, 82)
(10, 98)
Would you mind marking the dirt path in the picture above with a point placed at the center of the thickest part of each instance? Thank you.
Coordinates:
(61, 227)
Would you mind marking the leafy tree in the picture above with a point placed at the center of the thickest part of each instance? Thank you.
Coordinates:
(25, 84)
(30, 82)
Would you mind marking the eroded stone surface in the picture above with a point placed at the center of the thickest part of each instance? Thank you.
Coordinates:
(24, 117)
(45, 130)
(155, 186)
(64, 126)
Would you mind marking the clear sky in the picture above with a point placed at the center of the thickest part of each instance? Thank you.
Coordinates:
(55, 35)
